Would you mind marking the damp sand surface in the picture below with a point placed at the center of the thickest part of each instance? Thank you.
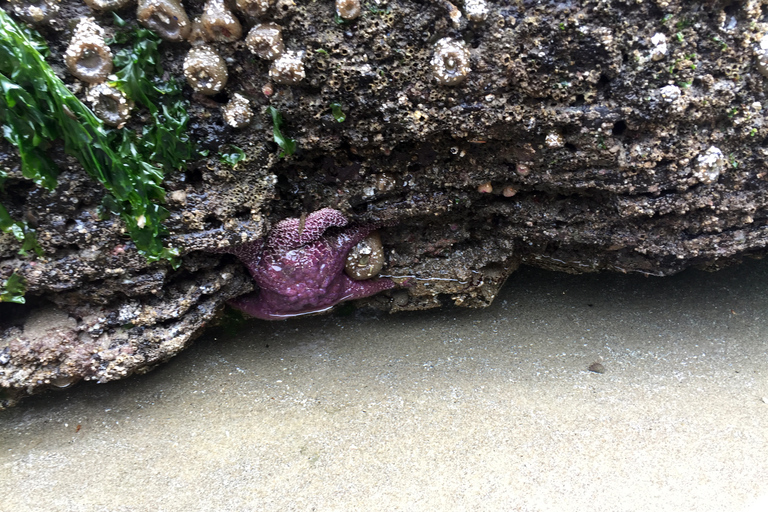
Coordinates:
(451, 409)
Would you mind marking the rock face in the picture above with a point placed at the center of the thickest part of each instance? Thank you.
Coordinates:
(580, 136)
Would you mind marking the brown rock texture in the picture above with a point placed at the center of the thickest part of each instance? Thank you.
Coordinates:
(587, 136)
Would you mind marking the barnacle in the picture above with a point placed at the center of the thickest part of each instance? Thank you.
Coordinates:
(166, 17)
(107, 5)
(475, 10)
(219, 22)
(88, 57)
(238, 113)
(762, 56)
(35, 11)
(659, 50)
(450, 63)
(109, 104)
(554, 140)
(266, 40)
(348, 9)
(366, 259)
(205, 70)
(288, 68)
(709, 164)
(197, 34)
(254, 8)
(762, 63)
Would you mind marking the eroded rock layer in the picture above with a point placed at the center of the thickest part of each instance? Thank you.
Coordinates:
(579, 136)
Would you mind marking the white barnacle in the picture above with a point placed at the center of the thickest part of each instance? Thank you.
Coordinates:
(659, 50)
(109, 104)
(288, 68)
(476, 10)
(205, 70)
(348, 9)
(254, 8)
(266, 40)
(554, 140)
(219, 23)
(88, 57)
(450, 62)
(166, 17)
(709, 165)
(762, 56)
(670, 93)
(238, 113)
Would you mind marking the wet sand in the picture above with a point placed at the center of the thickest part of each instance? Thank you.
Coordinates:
(451, 409)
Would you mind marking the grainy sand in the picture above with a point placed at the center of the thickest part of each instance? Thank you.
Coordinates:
(453, 409)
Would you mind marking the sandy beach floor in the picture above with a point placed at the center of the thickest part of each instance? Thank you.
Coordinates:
(451, 409)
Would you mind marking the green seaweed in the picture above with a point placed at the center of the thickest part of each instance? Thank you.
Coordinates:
(164, 141)
(232, 157)
(337, 113)
(286, 144)
(13, 289)
(36, 109)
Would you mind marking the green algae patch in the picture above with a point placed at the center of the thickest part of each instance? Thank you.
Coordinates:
(286, 144)
(13, 289)
(164, 141)
(36, 109)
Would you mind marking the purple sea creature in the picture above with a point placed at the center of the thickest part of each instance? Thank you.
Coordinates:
(300, 269)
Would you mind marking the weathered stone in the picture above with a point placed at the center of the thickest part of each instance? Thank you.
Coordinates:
(580, 140)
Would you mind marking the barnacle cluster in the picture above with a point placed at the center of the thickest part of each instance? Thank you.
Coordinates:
(88, 57)
(265, 40)
(109, 104)
(205, 70)
(166, 17)
(450, 62)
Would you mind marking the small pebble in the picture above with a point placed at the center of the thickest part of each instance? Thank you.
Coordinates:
(596, 367)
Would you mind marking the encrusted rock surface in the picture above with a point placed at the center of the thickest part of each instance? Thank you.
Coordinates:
(586, 136)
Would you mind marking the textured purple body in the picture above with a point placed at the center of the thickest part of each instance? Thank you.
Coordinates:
(301, 269)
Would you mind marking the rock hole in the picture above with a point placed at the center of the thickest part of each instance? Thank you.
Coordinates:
(619, 127)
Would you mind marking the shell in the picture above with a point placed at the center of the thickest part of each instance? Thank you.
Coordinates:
(348, 9)
(366, 259)
(219, 22)
(109, 105)
(205, 70)
(450, 63)
(88, 57)
(266, 41)
(238, 113)
(254, 8)
(166, 17)
(288, 68)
